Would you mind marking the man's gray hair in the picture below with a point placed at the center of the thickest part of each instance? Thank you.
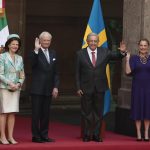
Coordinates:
(92, 34)
(45, 33)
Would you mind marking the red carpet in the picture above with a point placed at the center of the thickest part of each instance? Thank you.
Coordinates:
(67, 138)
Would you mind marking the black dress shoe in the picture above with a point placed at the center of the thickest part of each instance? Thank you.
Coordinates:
(86, 139)
(47, 140)
(37, 140)
(97, 139)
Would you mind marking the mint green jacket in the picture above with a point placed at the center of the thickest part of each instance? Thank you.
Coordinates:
(11, 71)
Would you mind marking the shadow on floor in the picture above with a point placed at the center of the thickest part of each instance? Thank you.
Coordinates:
(70, 116)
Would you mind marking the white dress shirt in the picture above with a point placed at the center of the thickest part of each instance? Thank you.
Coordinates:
(90, 53)
(46, 53)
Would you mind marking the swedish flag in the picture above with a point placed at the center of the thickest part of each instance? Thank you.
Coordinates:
(96, 25)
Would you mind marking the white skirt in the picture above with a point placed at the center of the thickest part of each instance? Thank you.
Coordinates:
(9, 101)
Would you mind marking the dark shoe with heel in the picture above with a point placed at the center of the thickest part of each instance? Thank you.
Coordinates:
(146, 140)
(139, 139)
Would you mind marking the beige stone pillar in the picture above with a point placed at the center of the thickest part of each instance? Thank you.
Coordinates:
(136, 25)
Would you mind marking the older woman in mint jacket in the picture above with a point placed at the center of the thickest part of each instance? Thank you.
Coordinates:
(11, 79)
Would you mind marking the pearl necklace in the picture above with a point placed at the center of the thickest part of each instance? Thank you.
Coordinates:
(144, 59)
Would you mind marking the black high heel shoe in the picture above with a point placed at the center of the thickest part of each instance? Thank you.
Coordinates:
(139, 140)
(146, 140)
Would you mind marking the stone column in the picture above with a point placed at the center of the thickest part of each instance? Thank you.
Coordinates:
(15, 12)
(136, 25)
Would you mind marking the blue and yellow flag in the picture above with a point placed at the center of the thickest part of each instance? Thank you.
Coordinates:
(96, 25)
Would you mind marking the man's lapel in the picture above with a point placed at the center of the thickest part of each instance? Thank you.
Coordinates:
(87, 58)
(99, 56)
(43, 57)
(50, 56)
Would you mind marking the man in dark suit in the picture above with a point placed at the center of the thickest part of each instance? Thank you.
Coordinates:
(44, 86)
(92, 83)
